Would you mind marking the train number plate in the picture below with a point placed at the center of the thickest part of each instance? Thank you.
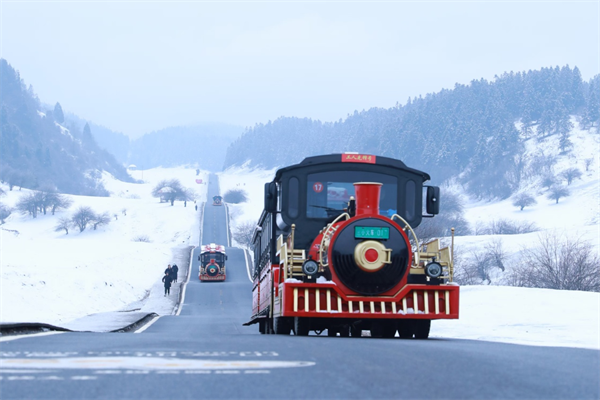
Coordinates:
(371, 232)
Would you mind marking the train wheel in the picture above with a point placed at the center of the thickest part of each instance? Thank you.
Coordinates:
(283, 326)
(262, 327)
(345, 331)
(422, 328)
(301, 326)
(355, 331)
(405, 329)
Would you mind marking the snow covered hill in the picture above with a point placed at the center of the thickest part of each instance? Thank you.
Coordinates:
(51, 277)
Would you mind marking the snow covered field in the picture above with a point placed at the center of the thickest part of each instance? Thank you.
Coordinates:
(47, 276)
(50, 277)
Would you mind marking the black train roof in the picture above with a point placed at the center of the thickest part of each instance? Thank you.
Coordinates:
(337, 159)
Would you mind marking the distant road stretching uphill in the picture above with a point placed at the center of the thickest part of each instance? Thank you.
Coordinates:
(206, 353)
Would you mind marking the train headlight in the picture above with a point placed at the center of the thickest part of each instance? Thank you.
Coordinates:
(433, 270)
(310, 267)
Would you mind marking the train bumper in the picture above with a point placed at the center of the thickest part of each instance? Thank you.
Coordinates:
(212, 278)
(325, 301)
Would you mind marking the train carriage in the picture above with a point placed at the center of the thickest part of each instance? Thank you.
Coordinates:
(335, 250)
(212, 263)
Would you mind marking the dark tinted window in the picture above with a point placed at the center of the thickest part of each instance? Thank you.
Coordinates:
(409, 195)
(294, 185)
(328, 192)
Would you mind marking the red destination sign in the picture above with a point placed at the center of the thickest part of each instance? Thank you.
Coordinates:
(359, 158)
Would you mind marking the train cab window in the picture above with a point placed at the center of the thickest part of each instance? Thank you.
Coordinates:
(409, 195)
(293, 187)
(328, 193)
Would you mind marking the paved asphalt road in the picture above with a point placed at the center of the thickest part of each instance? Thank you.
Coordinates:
(205, 352)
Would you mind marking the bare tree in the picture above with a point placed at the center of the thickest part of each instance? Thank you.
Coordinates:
(557, 192)
(63, 224)
(570, 174)
(170, 190)
(243, 233)
(523, 200)
(101, 219)
(588, 162)
(5, 212)
(29, 204)
(57, 201)
(563, 263)
(82, 217)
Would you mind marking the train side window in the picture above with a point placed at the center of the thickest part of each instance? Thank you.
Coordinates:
(410, 194)
(293, 196)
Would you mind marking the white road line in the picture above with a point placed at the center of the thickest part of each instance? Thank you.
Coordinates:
(202, 224)
(186, 282)
(246, 256)
(143, 328)
(16, 337)
(227, 225)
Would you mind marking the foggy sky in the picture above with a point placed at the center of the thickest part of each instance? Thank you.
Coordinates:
(136, 67)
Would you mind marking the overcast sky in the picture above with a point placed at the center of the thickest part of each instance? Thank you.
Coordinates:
(141, 66)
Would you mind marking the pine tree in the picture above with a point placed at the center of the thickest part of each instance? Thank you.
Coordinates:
(58, 113)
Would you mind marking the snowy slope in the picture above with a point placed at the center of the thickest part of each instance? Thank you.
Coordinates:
(47, 276)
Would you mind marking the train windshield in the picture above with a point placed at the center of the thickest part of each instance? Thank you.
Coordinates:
(218, 257)
(328, 193)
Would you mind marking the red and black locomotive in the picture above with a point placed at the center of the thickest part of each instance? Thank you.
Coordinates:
(212, 263)
(335, 250)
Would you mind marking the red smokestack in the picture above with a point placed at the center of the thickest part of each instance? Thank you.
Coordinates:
(367, 198)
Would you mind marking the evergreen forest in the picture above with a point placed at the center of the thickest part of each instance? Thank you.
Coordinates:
(475, 132)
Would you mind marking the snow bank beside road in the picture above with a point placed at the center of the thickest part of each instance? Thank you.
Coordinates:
(50, 277)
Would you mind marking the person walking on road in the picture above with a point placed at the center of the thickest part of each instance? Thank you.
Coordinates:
(167, 280)
(175, 270)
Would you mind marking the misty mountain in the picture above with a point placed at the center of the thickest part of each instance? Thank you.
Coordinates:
(473, 132)
(116, 143)
(200, 145)
(38, 151)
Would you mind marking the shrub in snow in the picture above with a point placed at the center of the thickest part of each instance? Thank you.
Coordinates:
(506, 227)
(235, 196)
(142, 238)
(523, 200)
(557, 192)
(559, 263)
(243, 233)
(5, 212)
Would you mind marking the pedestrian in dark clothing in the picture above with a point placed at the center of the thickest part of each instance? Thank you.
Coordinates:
(168, 270)
(167, 280)
(175, 269)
